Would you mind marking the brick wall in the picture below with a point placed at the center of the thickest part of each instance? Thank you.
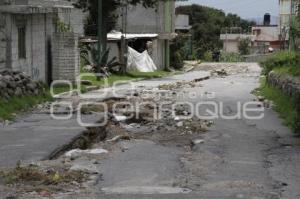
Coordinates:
(65, 57)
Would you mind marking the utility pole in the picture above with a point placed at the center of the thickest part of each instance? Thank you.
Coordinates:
(100, 36)
(124, 48)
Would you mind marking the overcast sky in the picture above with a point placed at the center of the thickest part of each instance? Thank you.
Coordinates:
(244, 8)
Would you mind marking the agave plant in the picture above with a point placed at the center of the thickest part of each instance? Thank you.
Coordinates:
(100, 64)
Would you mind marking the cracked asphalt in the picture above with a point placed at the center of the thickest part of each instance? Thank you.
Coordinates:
(236, 158)
(240, 158)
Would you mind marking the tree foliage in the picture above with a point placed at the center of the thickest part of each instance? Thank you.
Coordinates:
(244, 46)
(109, 14)
(207, 24)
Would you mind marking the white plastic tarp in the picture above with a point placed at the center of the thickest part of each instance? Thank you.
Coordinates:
(141, 62)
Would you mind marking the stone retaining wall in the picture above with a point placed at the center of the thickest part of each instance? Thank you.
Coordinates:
(288, 84)
(17, 84)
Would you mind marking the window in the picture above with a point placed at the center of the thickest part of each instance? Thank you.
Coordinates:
(22, 42)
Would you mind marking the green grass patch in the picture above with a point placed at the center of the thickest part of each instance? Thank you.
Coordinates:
(282, 59)
(65, 88)
(286, 106)
(293, 71)
(129, 76)
(111, 80)
(14, 105)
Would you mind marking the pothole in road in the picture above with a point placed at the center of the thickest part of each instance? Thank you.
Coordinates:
(147, 190)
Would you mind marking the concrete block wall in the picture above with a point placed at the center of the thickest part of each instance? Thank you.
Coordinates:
(2, 42)
(136, 18)
(34, 64)
(2, 52)
(65, 57)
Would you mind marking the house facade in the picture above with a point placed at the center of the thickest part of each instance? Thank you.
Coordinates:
(26, 31)
(159, 20)
(266, 37)
(231, 38)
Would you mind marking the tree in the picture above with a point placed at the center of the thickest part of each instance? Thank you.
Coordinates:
(109, 15)
(244, 46)
(207, 24)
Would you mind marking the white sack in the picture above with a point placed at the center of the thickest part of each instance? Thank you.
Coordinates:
(141, 62)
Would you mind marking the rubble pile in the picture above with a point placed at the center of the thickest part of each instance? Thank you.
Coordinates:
(17, 84)
(179, 85)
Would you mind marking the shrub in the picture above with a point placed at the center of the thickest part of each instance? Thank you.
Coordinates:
(178, 52)
(280, 59)
(231, 57)
(177, 60)
(244, 46)
(207, 56)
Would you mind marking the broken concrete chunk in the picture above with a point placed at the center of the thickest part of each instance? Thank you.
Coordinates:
(77, 152)
(197, 141)
(84, 166)
(120, 118)
(261, 98)
(119, 137)
(179, 124)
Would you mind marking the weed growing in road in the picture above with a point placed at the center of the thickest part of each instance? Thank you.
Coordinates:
(32, 175)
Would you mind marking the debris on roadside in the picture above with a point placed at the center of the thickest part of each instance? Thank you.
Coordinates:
(177, 85)
(220, 72)
(261, 98)
(35, 179)
(77, 152)
(263, 102)
(201, 79)
(130, 119)
(120, 118)
(196, 142)
(119, 137)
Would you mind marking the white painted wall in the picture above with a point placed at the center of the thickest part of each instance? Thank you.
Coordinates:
(231, 46)
(140, 20)
(271, 33)
(182, 22)
(114, 50)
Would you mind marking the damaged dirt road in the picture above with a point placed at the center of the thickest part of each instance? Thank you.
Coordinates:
(170, 157)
